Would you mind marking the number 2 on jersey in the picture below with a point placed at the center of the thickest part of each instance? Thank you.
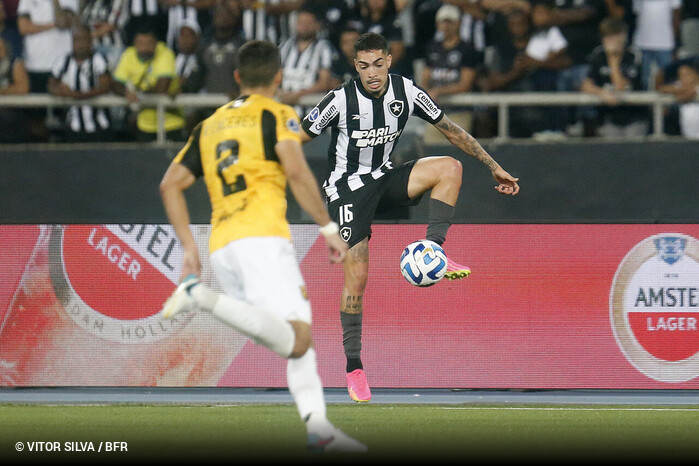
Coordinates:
(229, 147)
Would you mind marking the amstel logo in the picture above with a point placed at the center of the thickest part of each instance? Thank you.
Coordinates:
(654, 307)
(113, 279)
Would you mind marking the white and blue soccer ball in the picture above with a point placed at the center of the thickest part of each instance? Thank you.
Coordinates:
(423, 263)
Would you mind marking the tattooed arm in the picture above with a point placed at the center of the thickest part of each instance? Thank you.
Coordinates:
(464, 141)
(456, 135)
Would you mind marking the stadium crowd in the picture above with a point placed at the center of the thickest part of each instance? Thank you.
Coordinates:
(84, 48)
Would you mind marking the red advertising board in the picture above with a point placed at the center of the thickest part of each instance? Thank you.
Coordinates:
(547, 306)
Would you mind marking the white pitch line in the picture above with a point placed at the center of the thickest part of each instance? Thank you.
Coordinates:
(546, 408)
(563, 408)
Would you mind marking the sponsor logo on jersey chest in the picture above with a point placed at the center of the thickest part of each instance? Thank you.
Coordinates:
(375, 136)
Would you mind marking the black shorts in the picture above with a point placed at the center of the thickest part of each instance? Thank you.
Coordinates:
(354, 211)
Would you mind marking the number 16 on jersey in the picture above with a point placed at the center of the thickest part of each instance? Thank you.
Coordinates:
(345, 216)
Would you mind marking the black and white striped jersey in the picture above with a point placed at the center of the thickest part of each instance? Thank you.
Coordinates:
(365, 129)
(258, 24)
(113, 12)
(143, 7)
(82, 77)
(188, 66)
(301, 68)
(177, 16)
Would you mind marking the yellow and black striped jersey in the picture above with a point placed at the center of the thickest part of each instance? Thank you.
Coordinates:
(234, 150)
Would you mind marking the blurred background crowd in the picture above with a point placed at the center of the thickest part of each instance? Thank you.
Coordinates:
(79, 49)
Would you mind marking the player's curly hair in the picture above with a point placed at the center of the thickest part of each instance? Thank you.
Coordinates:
(370, 41)
(258, 63)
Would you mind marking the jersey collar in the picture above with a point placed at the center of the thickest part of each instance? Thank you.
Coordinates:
(365, 93)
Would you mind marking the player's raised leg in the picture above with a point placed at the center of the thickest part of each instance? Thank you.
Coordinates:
(290, 339)
(356, 270)
(441, 175)
(263, 326)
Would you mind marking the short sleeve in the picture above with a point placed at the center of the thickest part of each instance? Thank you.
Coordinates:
(121, 73)
(23, 8)
(288, 126)
(322, 115)
(57, 67)
(425, 107)
(100, 64)
(190, 155)
(164, 64)
(556, 40)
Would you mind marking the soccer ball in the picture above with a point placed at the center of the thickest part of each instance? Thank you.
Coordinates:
(423, 263)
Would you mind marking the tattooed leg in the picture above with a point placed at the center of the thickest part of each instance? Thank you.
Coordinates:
(356, 268)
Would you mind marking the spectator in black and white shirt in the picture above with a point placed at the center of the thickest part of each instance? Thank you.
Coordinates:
(178, 13)
(145, 14)
(188, 61)
(474, 26)
(82, 74)
(306, 61)
(106, 19)
(190, 69)
(270, 20)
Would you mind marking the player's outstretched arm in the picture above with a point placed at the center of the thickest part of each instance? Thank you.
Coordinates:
(176, 180)
(507, 184)
(304, 186)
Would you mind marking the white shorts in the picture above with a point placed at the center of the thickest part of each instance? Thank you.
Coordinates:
(263, 272)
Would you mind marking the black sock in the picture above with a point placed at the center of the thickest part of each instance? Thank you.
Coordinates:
(439, 220)
(352, 339)
(353, 364)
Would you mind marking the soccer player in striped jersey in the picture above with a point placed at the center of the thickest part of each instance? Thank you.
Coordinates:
(367, 115)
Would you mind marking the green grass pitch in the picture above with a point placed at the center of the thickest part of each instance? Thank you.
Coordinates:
(394, 433)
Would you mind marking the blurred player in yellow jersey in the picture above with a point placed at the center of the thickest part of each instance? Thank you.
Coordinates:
(247, 151)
